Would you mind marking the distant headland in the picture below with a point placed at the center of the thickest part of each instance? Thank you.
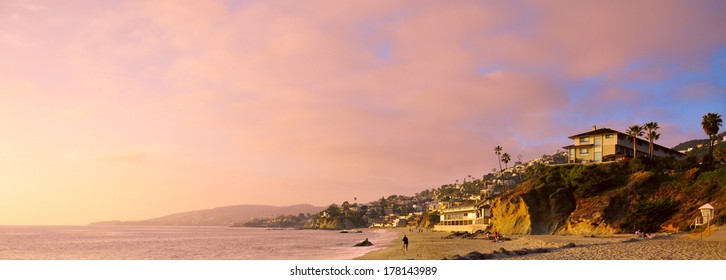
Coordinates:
(220, 216)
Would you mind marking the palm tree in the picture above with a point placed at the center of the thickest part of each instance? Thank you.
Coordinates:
(633, 132)
(506, 158)
(650, 133)
(652, 136)
(498, 152)
(711, 123)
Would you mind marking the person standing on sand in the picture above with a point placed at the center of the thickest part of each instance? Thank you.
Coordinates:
(405, 243)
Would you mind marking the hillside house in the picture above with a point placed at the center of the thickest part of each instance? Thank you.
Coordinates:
(604, 144)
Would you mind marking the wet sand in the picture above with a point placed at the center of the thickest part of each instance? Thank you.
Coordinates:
(433, 246)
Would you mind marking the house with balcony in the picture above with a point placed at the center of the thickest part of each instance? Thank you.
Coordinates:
(468, 217)
(605, 144)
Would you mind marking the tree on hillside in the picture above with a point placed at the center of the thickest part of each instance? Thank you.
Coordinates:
(506, 158)
(345, 207)
(711, 123)
(498, 152)
(651, 135)
(333, 210)
(633, 132)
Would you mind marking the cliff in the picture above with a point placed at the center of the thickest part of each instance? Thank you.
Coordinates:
(661, 195)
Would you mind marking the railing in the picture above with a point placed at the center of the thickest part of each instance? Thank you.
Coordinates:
(697, 222)
(456, 222)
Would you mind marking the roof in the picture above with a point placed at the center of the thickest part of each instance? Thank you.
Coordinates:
(596, 132)
(706, 206)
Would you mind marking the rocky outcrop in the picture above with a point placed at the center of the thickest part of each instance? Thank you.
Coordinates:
(512, 216)
(336, 223)
(532, 211)
(535, 212)
(363, 243)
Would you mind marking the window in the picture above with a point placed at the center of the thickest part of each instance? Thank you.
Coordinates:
(584, 139)
(584, 151)
(608, 136)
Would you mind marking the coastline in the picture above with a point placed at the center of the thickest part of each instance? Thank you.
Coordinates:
(433, 246)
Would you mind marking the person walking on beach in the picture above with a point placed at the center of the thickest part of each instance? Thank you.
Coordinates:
(405, 243)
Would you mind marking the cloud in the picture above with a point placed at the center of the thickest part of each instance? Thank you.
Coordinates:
(129, 156)
(339, 97)
(590, 38)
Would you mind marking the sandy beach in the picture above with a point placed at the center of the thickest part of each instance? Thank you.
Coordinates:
(434, 246)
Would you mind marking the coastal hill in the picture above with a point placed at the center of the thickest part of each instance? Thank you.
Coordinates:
(695, 142)
(652, 195)
(699, 147)
(220, 216)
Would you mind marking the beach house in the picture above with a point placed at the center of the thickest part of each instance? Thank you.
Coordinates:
(468, 217)
(605, 144)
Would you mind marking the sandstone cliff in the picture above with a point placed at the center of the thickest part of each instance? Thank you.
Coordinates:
(609, 198)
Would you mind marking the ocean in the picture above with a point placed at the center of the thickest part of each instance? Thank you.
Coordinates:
(184, 243)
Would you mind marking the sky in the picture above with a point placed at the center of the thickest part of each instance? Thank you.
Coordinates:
(128, 110)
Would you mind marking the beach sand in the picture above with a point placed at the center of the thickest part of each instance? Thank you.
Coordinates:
(433, 246)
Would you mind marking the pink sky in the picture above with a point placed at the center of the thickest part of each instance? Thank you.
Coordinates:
(135, 109)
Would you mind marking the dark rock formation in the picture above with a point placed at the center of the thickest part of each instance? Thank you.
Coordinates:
(364, 243)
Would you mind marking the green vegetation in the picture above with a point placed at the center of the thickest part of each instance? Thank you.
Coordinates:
(506, 158)
(581, 180)
(282, 221)
(648, 215)
(711, 123)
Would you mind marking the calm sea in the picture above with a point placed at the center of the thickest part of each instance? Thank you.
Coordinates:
(186, 243)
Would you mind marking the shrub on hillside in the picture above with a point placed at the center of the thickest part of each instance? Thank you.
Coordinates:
(686, 163)
(691, 173)
(637, 164)
(648, 215)
(719, 154)
(591, 179)
(717, 176)
(639, 178)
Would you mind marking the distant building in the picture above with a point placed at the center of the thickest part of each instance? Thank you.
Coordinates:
(604, 144)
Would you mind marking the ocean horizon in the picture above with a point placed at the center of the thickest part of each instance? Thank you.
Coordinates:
(184, 243)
